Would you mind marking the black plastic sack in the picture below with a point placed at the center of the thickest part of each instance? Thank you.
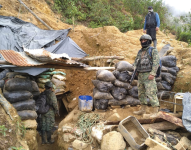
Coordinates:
(102, 86)
(118, 83)
(175, 68)
(105, 75)
(124, 76)
(3, 73)
(169, 61)
(13, 74)
(35, 95)
(124, 66)
(16, 96)
(160, 86)
(166, 85)
(119, 93)
(170, 70)
(2, 82)
(18, 84)
(101, 104)
(134, 92)
(101, 95)
(24, 105)
(27, 114)
(168, 77)
(127, 101)
(158, 79)
(163, 95)
(34, 86)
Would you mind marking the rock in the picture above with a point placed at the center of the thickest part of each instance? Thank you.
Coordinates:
(30, 124)
(154, 145)
(183, 144)
(113, 141)
(68, 137)
(115, 117)
(79, 144)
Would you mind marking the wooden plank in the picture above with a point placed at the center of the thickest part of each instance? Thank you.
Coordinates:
(64, 100)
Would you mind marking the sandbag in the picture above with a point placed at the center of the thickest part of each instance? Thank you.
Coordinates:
(134, 83)
(124, 76)
(13, 74)
(158, 79)
(168, 77)
(18, 84)
(22, 77)
(58, 83)
(101, 104)
(3, 73)
(34, 86)
(127, 101)
(27, 114)
(176, 68)
(41, 85)
(2, 82)
(102, 86)
(16, 96)
(166, 85)
(59, 77)
(54, 72)
(124, 66)
(160, 86)
(169, 70)
(35, 94)
(101, 95)
(119, 93)
(169, 61)
(44, 76)
(105, 75)
(118, 83)
(163, 94)
(24, 105)
(59, 90)
(41, 80)
(134, 92)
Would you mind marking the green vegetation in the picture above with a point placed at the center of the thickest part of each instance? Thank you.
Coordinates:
(21, 130)
(124, 14)
(17, 148)
(3, 130)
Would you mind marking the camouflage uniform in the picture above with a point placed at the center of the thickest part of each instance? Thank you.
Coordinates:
(148, 87)
(48, 119)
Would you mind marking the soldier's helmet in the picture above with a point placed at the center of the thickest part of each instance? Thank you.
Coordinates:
(49, 84)
(146, 37)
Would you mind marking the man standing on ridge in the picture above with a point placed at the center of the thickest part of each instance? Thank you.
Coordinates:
(152, 24)
(147, 63)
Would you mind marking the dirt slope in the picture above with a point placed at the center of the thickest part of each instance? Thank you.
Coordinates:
(100, 41)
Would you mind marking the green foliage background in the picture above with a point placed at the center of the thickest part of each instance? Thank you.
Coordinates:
(124, 14)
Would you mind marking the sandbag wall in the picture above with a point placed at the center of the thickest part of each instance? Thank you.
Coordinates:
(113, 88)
(21, 91)
(57, 78)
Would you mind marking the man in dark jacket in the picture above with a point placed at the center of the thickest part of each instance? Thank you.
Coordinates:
(152, 24)
(48, 119)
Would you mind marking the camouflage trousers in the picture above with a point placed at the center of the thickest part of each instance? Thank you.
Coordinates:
(48, 121)
(147, 88)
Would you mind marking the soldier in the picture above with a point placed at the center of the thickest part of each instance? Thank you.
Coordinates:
(147, 65)
(48, 119)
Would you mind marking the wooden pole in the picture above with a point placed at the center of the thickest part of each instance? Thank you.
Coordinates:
(98, 57)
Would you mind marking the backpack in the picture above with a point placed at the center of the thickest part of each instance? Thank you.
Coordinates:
(160, 63)
(41, 104)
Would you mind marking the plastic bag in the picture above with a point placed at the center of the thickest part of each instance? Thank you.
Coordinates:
(41, 80)
(11, 75)
(101, 95)
(58, 83)
(119, 93)
(118, 83)
(27, 114)
(54, 72)
(59, 77)
(105, 75)
(163, 95)
(101, 104)
(166, 85)
(102, 86)
(124, 66)
(168, 77)
(16, 96)
(3, 73)
(2, 82)
(169, 70)
(169, 61)
(44, 76)
(127, 101)
(24, 105)
(18, 84)
(134, 92)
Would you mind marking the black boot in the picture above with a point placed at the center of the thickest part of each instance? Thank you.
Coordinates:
(43, 135)
(50, 141)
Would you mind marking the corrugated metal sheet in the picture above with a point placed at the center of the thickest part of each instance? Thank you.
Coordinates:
(21, 59)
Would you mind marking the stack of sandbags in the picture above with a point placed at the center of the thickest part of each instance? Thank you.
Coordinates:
(2, 78)
(123, 92)
(19, 91)
(102, 91)
(168, 76)
(57, 78)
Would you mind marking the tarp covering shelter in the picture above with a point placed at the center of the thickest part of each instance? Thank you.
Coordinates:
(15, 33)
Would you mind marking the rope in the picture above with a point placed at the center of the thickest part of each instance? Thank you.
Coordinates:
(85, 122)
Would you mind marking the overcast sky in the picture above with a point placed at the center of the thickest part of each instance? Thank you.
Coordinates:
(180, 6)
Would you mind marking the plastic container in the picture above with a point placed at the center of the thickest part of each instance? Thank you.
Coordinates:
(85, 103)
(133, 132)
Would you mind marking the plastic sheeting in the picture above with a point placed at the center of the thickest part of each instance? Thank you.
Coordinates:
(186, 116)
(15, 33)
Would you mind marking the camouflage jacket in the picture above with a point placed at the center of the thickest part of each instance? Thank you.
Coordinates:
(155, 59)
(51, 99)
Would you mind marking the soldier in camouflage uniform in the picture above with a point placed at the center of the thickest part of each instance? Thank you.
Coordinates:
(147, 67)
(48, 119)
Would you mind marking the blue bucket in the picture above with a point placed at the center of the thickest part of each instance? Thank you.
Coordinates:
(85, 103)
